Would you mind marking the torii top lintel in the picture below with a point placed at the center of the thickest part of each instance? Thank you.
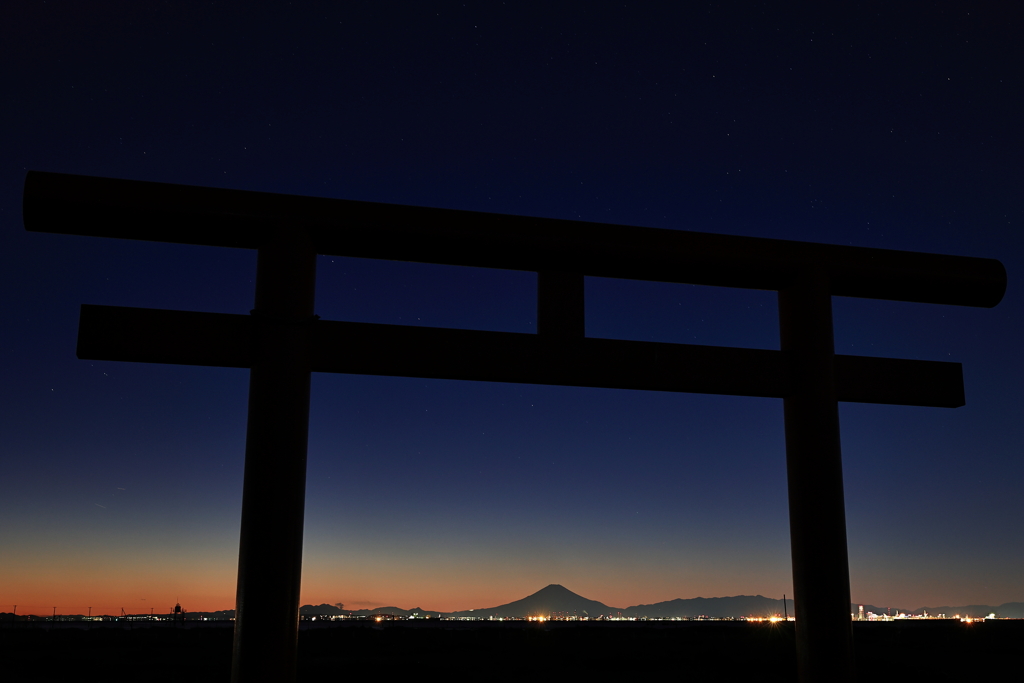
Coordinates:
(129, 209)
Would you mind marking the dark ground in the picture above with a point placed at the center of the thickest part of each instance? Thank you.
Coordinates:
(934, 650)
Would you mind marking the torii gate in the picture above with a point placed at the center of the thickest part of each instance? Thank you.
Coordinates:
(282, 341)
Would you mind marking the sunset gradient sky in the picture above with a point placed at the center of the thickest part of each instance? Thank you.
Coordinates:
(881, 126)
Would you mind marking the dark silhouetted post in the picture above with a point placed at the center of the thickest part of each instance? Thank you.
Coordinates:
(560, 307)
(817, 514)
(274, 492)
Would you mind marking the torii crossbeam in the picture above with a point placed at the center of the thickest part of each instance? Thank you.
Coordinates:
(281, 341)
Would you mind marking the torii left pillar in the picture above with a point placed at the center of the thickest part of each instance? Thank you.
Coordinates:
(274, 489)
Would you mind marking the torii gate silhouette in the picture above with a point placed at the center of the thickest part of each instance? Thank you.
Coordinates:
(282, 341)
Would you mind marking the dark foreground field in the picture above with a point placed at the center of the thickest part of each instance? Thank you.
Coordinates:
(716, 650)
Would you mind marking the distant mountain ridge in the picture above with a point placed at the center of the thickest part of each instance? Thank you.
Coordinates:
(716, 608)
(555, 599)
(394, 611)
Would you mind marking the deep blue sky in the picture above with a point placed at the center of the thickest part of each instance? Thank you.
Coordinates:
(878, 126)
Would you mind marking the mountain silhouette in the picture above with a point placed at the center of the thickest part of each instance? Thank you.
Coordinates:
(552, 599)
(718, 608)
(320, 610)
(394, 611)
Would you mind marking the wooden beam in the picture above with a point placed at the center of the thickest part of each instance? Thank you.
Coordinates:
(150, 335)
(218, 339)
(130, 209)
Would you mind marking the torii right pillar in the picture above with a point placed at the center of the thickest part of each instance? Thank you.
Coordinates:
(817, 512)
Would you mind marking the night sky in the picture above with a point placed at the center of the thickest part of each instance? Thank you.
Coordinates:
(893, 127)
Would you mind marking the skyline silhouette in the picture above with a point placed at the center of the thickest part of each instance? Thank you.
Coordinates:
(555, 599)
